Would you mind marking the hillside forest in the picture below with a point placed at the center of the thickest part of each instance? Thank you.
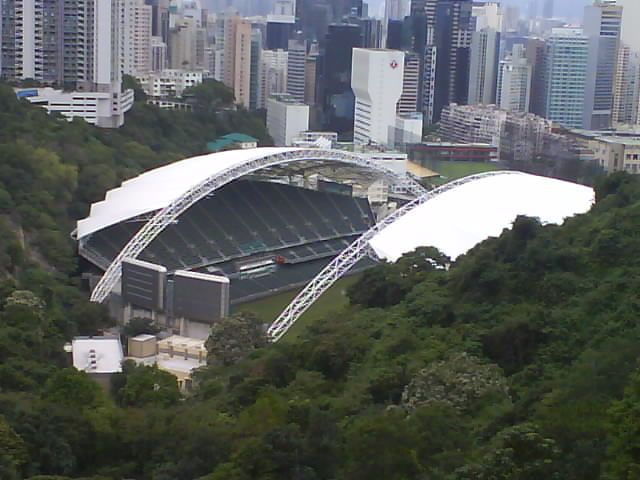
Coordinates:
(518, 361)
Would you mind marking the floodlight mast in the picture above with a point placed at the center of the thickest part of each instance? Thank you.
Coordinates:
(170, 213)
(355, 252)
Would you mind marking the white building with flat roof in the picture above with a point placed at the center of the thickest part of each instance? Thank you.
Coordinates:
(170, 83)
(376, 79)
(408, 129)
(286, 118)
(101, 109)
(99, 357)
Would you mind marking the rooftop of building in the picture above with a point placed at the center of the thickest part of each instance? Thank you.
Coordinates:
(143, 337)
(177, 364)
(97, 354)
(286, 98)
(453, 145)
(184, 342)
(627, 141)
(228, 140)
(618, 133)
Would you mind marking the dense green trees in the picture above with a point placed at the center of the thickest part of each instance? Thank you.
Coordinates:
(51, 170)
(517, 361)
(233, 338)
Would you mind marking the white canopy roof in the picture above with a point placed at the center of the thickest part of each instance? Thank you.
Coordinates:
(457, 220)
(158, 188)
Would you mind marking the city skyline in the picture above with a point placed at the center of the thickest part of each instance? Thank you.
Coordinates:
(457, 52)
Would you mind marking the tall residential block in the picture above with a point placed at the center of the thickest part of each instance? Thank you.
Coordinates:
(514, 81)
(627, 90)
(376, 80)
(182, 44)
(18, 31)
(74, 45)
(602, 25)
(236, 62)
(136, 37)
(565, 83)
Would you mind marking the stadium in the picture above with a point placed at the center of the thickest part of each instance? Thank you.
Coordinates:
(272, 219)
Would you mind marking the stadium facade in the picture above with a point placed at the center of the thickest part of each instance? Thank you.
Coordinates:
(267, 219)
(246, 224)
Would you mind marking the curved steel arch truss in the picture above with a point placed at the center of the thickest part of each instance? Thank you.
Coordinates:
(170, 213)
(359, 249)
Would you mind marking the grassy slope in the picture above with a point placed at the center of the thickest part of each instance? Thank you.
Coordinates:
(333, 300)
(452, 170)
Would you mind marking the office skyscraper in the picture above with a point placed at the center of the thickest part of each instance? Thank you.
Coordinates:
(395, 10)
(408, 102)
(376, 79)
(514, 81)
(483, 71)
(338, 99)
(296, 66)
(256, 67)
(453, 32)
(535, 51)
(548, 10)
(533, 9)
(279, 31)
(566, 65)
(273, 74)
(372, 32)
(602, 25)
(421, 28)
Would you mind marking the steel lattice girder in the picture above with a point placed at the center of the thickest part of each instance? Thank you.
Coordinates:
(169, 214)
(352, 254)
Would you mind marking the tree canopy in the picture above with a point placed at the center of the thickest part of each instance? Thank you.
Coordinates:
(517, 361)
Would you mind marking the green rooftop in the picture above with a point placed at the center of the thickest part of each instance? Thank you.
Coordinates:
(228, 140)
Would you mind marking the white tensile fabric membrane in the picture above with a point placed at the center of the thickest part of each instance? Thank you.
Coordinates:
(157, 188)
(457, 220)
